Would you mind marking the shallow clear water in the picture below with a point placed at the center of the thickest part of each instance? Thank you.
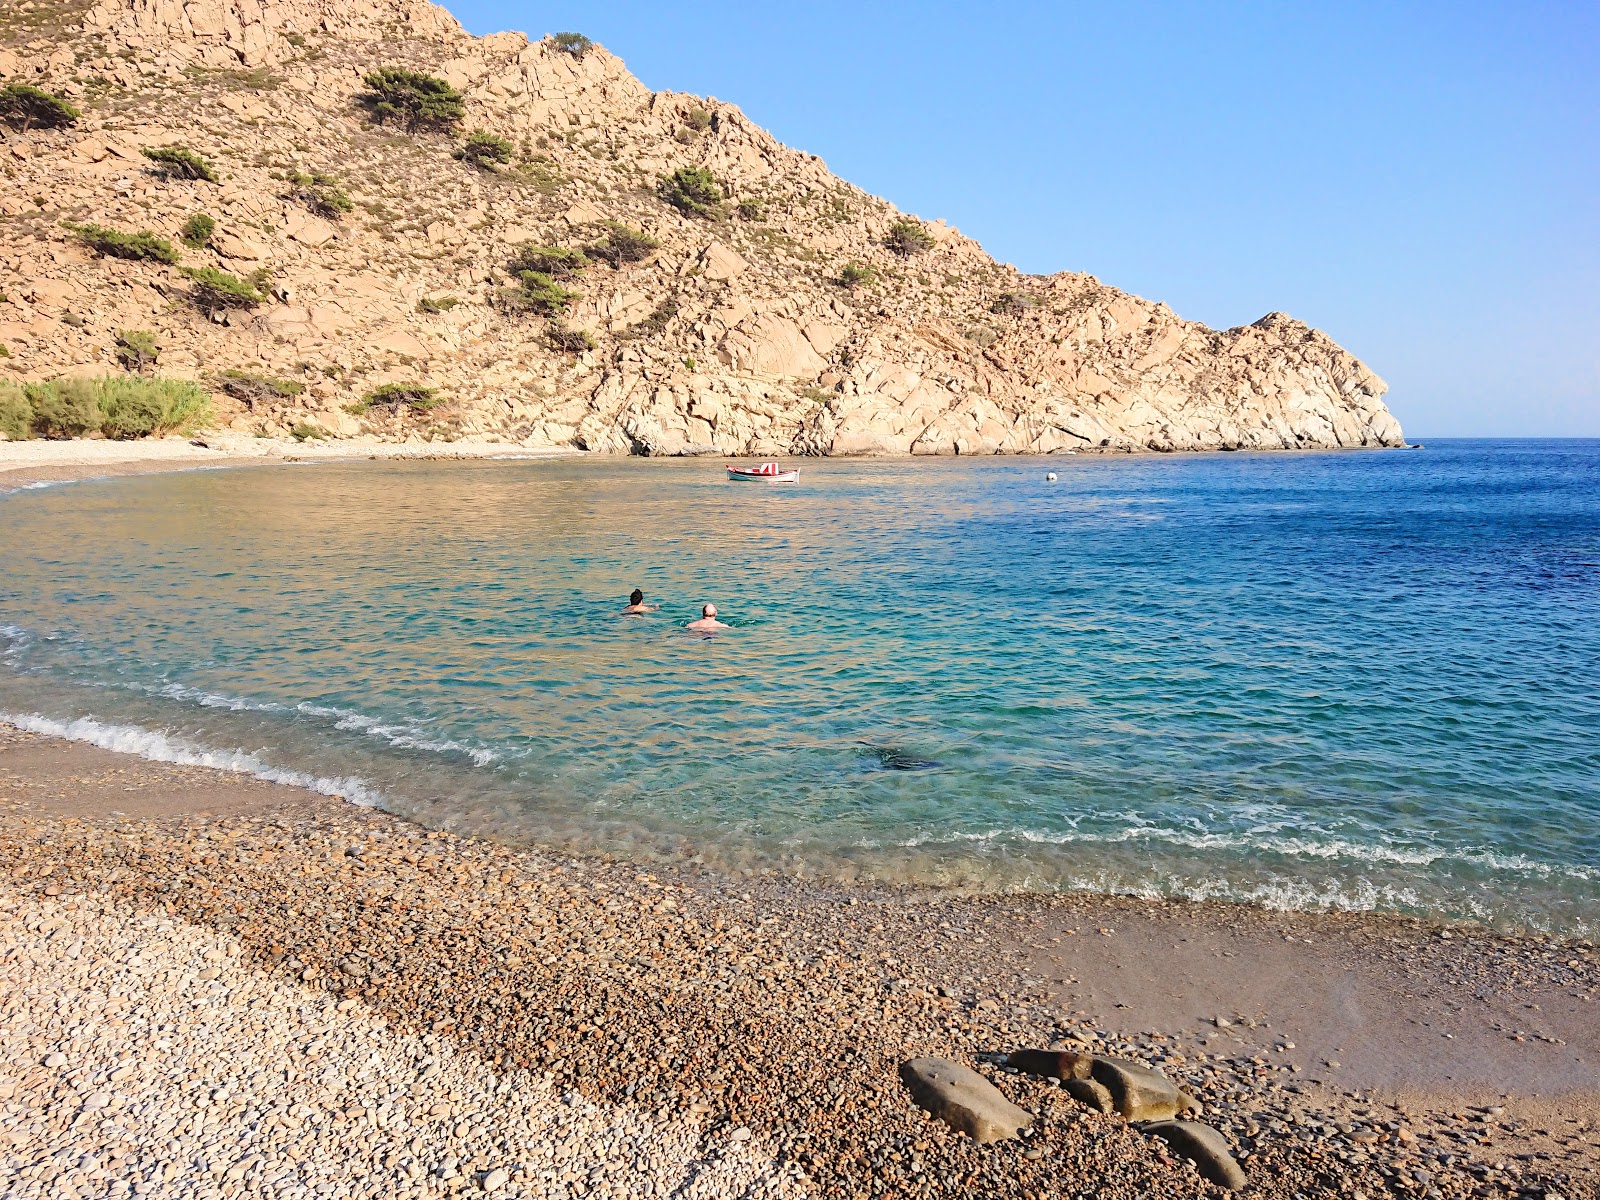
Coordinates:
(1349, 680)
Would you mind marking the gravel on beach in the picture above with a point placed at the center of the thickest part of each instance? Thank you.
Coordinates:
(321, 1000)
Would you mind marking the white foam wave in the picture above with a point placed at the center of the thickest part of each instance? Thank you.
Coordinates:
(161, 747)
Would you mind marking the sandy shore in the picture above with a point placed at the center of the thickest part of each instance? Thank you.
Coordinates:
(347, 997)
(23, 464)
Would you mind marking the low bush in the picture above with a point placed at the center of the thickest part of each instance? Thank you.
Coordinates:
(181, 162)
(486, 150)
(252, 388)
(216, 291)
(656, 323)
(624, 244)
(16, 414)
(538, 292)
(697, 119)
(398, 396)
(1010, 304)
(136, 348)
(135, 407)
(22, 106)
(574, 44)
(556, 261)
(320, 193)
(63, 408)
(564, 338)
(143, 246)
(907, 238)
(433, 305)
(411, 99)
(693, 191)
(751, 210)
(304, 432)
(197, 231)
(854, 275)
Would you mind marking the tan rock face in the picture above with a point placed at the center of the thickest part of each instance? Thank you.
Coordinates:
(735, 334)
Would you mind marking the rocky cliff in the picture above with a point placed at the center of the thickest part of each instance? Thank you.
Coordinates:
(795, 315)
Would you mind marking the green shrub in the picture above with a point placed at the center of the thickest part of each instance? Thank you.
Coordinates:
(556, 261)
(64, 408)
(536, 291)
(322, 194)
(854, 275)
(486, 150)
(569, 340)
(252, 388)
(137, 348)
(16, 414)
(1009, 304)
(906, 238)
(751, 210)
(304, 432)
(397, 396)
(433, 305)
(182, 162)
(143, 246)
(574, 44)
(133, 406)
(23, 106)
(656, 323)
(697, 119)
(412, 99)
(693, 191)
(624, 244)
(197, 230)
(214, 290)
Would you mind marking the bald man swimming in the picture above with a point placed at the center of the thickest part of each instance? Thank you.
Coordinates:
(708, 622)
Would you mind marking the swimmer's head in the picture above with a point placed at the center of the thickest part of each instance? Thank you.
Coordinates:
(636, 597)
(709, 610)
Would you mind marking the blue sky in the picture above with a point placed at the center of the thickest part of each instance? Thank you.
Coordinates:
(1420, 180)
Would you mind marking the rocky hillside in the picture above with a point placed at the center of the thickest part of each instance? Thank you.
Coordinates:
(770, 308)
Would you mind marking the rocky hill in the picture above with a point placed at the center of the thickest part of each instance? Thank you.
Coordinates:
(770, 308)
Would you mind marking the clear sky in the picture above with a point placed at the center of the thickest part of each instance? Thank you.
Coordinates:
(1420, 180)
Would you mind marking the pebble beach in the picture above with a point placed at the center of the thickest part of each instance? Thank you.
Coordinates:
(218, 987)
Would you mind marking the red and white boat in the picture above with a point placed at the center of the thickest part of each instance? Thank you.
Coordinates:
(765, 473)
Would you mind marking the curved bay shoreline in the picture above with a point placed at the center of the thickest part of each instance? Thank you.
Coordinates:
(599, 1028)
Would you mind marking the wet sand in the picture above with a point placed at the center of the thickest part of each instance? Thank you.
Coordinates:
(1466, 1061)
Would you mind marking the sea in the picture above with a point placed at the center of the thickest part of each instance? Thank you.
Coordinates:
(1350, 681)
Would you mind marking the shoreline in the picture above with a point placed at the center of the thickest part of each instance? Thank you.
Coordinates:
(782, 1006)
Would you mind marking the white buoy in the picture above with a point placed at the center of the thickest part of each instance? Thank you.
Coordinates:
(1050, 477)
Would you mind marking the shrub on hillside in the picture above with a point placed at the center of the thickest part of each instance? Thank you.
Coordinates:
(136, 348)
(63, 408)
(181, 162)
(143, 246)
(433, 305)
(320, 193)
(22, 106)
(556, 261)
(486, 150)
(215, 291)
(693, 191)
(411, 99)
(304, 432)
(251, 388)
(564, 338)
(197, 230)
(136, 406)
(16, 414)
(398, 396)
(906, 238)
(854, 275)
(751, 210)
(1010, 304)
(624, 244)
(697, 119)
(537, 292)
(574, 44)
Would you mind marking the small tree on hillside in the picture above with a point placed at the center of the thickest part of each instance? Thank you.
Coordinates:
(217, 291)
(556, 261)
(624, 244)
(181, 162)
(486, 150)
(137, 348)
(906, 238)
(412, 99)
(693, 191)
(23, 106)
(574, 44)
(322, 194)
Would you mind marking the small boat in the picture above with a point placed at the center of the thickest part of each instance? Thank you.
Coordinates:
(765, 473)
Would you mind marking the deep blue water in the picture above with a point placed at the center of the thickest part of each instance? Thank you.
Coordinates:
(1358, 680)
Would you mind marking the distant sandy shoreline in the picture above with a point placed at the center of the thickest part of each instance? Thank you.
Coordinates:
(739, 989)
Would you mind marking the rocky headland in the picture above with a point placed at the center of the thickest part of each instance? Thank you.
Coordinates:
(335, 268)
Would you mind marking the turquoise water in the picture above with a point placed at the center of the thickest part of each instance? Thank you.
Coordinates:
(1362, 680)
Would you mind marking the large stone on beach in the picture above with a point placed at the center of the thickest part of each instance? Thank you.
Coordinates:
(1052, 1064)
(1207, 1148)
(1137, 1092)
(963, 1099)
(1093, 1095)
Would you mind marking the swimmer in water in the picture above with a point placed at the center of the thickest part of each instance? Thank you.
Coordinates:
(636, 605)
(708, 621)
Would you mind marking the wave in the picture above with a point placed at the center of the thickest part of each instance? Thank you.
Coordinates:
(1331, 847)
(161, 747)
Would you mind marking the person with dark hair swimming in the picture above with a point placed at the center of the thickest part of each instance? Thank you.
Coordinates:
(636, 605)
